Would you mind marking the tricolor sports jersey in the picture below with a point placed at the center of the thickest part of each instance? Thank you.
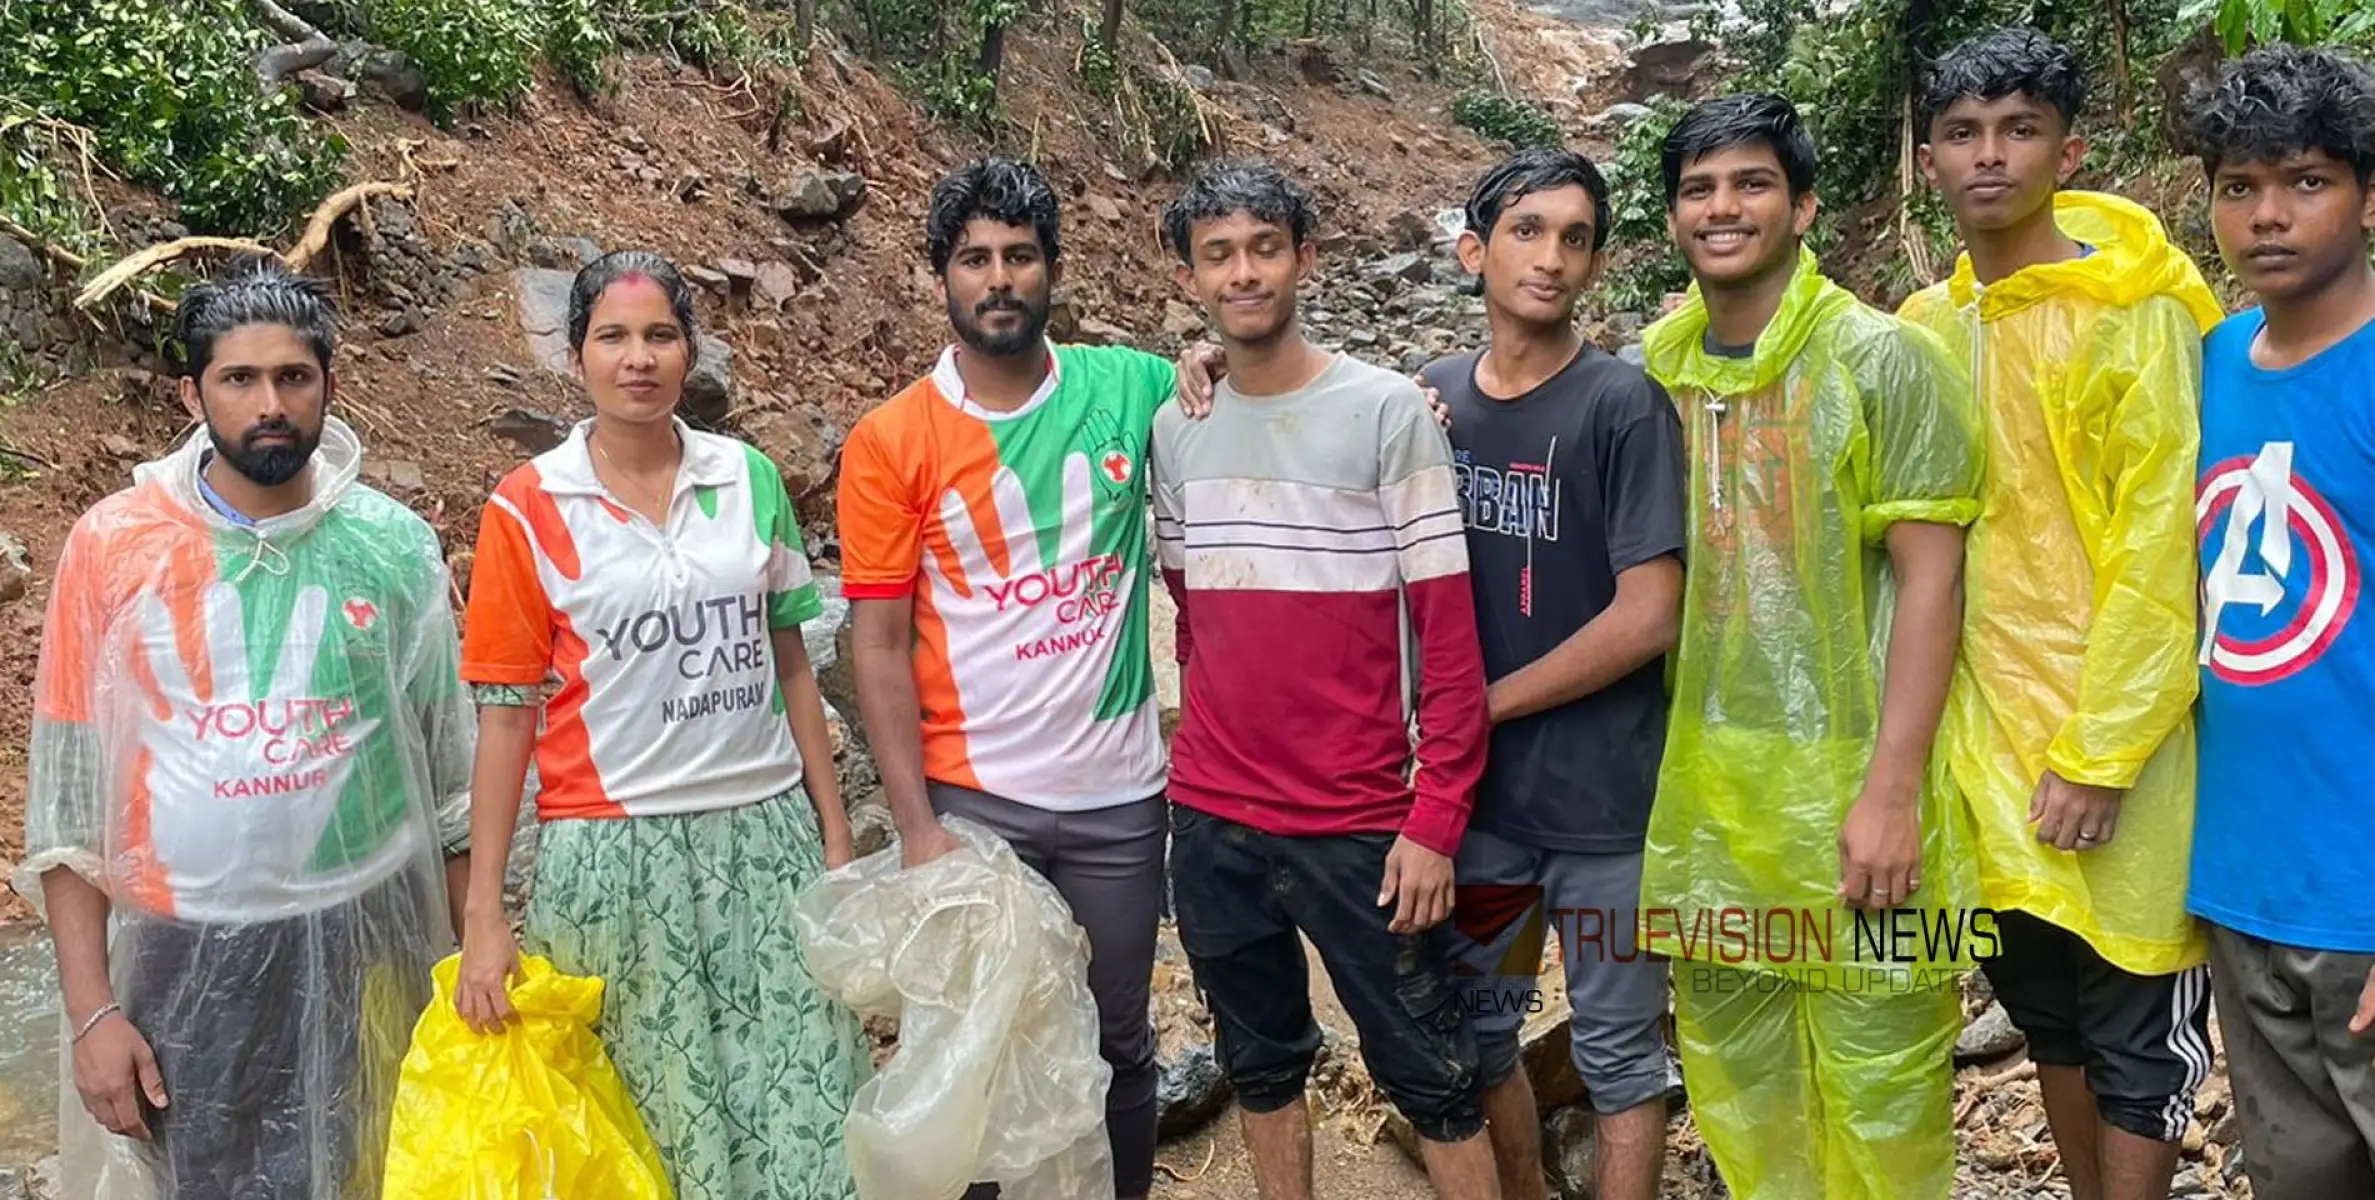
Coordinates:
(240, 724)
(1022, 537)
(667, 699)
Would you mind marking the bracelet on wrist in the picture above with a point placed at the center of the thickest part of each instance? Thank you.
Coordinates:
(92, 1022)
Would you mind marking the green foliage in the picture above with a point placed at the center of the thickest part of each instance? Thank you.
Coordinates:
(168, 90)
(1503, 117)
(2242, 23)
(1648, 264)
(475, 54)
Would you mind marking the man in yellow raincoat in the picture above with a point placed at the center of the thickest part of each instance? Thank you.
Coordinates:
(2067, 728)
(1802, 860)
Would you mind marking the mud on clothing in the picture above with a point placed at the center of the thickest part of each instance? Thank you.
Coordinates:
(1022, 538)
(1313, 542)
(668, 701)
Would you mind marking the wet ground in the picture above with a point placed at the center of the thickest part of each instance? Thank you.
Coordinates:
(28, 1045)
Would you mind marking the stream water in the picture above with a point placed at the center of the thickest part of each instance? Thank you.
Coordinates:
(28, 1046)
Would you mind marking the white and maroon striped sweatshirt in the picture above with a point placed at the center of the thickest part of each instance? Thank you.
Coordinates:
(1296, 532)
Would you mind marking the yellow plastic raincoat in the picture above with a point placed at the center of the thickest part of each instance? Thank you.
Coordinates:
(1816, 1051)
(2078, 619)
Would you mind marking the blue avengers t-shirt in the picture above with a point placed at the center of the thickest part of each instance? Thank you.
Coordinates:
(2284, 835)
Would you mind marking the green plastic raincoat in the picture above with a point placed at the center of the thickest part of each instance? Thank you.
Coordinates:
(2078, 619)
(1816, 1050)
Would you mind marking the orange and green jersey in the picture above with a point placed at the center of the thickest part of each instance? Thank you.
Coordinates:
(659, 637)
(1022, 538)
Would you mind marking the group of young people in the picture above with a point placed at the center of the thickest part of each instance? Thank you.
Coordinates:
(1827, 611)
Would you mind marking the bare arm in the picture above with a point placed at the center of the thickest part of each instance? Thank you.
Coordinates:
(506, 738)
(1880, 845)
(1635, 628)
(78, 928)
(805, 705)
(881, 636)
(490, 956)
(114, 1069)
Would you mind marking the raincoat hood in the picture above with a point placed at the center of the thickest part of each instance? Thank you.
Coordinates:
(2133, 261)
(336, 463)
(2079, 577)
(1676, 345)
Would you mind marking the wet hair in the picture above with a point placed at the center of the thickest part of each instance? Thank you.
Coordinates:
(1258, 189)
(619, 266)
(2005, 62)
(2283, 100)
(1537, 169)
(1001, 189)
(1755, 119)
(256, 291)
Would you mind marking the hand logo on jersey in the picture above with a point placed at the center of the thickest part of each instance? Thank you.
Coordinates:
(1046, 610)
(242, 777)
(2289, 611)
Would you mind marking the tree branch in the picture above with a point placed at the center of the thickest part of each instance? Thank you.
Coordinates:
(130, 268)
(325, 218)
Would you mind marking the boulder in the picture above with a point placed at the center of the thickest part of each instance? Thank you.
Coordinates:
(1373, 85)
(20, 268)
(1990, 1036)
(709, 388)
(543, 298)
(1570, 1154)
(1665, 68)
(562, 253)
(531, 431)
(16, 569)
(818, 195)
(390, 76)
(777, 283)
(1190, 1089)
(1094, 332)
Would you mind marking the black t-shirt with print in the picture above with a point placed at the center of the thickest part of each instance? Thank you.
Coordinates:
(1564, 488)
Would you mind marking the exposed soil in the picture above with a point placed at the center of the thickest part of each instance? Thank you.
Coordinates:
(669, 164)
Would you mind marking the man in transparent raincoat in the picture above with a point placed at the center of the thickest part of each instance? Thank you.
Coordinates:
(2068, 727)
(1802, 866)
(251, 750)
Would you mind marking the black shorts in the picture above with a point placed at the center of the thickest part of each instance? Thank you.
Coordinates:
(1246, 899)
(2144, 1040)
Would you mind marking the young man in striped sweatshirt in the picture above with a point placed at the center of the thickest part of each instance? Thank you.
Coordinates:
(1310, 529)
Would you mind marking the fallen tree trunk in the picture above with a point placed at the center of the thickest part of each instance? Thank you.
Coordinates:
(307, 47)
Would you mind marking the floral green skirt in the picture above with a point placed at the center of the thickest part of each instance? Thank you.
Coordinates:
(741, 1068)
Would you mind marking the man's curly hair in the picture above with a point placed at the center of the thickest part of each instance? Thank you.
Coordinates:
(2284, 100)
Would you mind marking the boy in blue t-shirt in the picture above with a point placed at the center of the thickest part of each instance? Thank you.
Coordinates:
(2284, 843)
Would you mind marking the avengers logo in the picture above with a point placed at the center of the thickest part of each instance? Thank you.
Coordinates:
(2281, 577)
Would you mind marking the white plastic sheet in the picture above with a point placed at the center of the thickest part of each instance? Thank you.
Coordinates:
(256, 742)
(997, 1075)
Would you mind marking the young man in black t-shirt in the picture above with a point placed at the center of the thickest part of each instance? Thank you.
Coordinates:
(1572, 476)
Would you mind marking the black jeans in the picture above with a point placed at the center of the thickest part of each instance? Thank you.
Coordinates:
(1246, 899)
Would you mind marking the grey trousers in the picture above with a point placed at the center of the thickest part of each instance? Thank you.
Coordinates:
(1108, 866)
(2304, 1087)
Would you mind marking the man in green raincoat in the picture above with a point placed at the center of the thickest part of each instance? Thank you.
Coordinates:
(1803, 865)
(2067, 728)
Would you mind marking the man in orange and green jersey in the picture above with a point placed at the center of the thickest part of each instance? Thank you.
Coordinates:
(2067, 727)
(993, 532)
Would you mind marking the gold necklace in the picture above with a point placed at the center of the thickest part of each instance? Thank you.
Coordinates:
(623, 473)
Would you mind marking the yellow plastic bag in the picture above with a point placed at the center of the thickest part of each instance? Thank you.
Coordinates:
(535, 1112)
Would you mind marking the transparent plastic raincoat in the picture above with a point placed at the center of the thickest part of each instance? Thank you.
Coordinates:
(1816, 1050)
(2078, 618)
(255, 741)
